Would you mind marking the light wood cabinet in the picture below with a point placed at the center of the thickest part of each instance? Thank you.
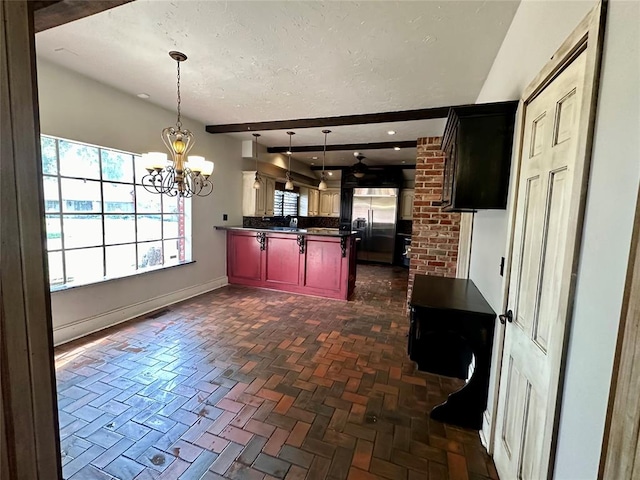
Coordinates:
(257, 203)
(335, 204)
(406, 204)
(330, 203)
(270, 193)
(314, 202)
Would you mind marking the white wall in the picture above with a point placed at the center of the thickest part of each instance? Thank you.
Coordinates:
(78, 108)
(538, 29)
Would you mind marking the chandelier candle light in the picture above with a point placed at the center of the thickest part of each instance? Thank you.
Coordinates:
(289, 184)
(323, 182)
(180, 176)
(256, 183)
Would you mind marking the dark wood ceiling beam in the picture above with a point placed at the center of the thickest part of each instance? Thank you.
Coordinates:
(361, 119)
(49, 14)
(369, 167)
(346, 146)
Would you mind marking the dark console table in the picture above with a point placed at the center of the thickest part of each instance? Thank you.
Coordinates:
(451, 323)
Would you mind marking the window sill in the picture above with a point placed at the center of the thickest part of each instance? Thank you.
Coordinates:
(62, 288)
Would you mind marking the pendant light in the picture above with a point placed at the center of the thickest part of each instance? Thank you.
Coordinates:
(323, 182)
(289, 184)
(256, 183)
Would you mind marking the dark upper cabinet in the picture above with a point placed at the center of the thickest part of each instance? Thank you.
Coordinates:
(477, 144)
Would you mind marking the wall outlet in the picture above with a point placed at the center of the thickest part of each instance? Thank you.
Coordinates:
(225, 217)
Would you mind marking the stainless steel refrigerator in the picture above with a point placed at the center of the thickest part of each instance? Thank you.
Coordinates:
(374, 217)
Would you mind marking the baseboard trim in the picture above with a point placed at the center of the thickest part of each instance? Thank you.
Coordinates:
(72, 331)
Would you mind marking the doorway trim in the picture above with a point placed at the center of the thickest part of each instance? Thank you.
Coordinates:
(620, 456)
(587, 37)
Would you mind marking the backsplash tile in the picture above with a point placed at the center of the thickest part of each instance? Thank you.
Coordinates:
(303, 222)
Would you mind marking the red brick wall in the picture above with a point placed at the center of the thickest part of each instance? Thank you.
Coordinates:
(434, 242)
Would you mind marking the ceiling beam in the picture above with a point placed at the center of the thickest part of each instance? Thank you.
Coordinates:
(361, 119)
(345, 146)
(370, 167)
(49, 14)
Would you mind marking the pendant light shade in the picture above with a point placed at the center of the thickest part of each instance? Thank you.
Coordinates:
(289, 184)
(323, 183)
(257, 183)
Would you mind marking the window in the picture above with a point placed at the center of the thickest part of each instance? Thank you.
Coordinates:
(101, 223)
(285, 203)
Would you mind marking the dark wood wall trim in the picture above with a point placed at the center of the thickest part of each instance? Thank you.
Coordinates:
(30, 445)
(53, 14)
(370, 167)
(346, 146)
(366, 118)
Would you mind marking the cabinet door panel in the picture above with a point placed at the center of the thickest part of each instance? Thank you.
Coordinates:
(324, 263)
(335, 204)
(325, 204)
(245, 257)
(283, 259)
(270, 191)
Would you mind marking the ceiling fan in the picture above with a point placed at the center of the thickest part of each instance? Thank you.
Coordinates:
(359, 169)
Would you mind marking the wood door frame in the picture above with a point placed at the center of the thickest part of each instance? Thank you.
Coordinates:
(621, 442)
(29, 434)
(587, 37)
(30, 446)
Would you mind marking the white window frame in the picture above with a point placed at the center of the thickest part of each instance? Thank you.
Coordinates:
(184, 224)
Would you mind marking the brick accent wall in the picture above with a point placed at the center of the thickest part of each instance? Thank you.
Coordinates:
(435, 236)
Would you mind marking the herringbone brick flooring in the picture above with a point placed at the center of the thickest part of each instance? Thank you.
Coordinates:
(245, 383)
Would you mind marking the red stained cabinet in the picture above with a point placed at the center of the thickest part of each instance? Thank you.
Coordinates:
(322, 266)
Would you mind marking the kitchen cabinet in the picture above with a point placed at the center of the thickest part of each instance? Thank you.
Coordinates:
(477, 144)
(270, 192)
(406, 203)
(323, 265)
(257, 203)
(330, 203)
(314, 202)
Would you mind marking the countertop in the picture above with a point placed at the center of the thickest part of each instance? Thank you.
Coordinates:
(321, 232)
(443, 293)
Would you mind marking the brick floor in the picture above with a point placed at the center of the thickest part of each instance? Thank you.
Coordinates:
(246, 383)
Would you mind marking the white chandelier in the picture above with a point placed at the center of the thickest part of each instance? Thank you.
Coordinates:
(180, 176)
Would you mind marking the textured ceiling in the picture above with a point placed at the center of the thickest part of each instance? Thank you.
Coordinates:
(270, 60)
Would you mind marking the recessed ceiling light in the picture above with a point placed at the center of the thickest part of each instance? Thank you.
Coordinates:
(391, 132)
(314, 158)
(289, 152)
(396, 148)
(144, 95)
(355, 154)
(403, 161)
(330, 173)
(312, 163)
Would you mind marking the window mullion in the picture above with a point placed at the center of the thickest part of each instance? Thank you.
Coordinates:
(104, 249)
(60, 217)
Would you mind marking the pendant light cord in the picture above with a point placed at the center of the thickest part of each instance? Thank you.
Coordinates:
(179, 122)
(324, 153)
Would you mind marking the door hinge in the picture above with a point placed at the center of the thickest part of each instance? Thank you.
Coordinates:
(502, 260)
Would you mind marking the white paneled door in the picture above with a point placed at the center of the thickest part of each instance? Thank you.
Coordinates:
(540, 275)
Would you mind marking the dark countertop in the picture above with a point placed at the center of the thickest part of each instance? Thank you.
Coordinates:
(321, 232)
(449, 294)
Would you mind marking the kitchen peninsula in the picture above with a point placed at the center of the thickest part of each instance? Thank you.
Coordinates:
(315, 261)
